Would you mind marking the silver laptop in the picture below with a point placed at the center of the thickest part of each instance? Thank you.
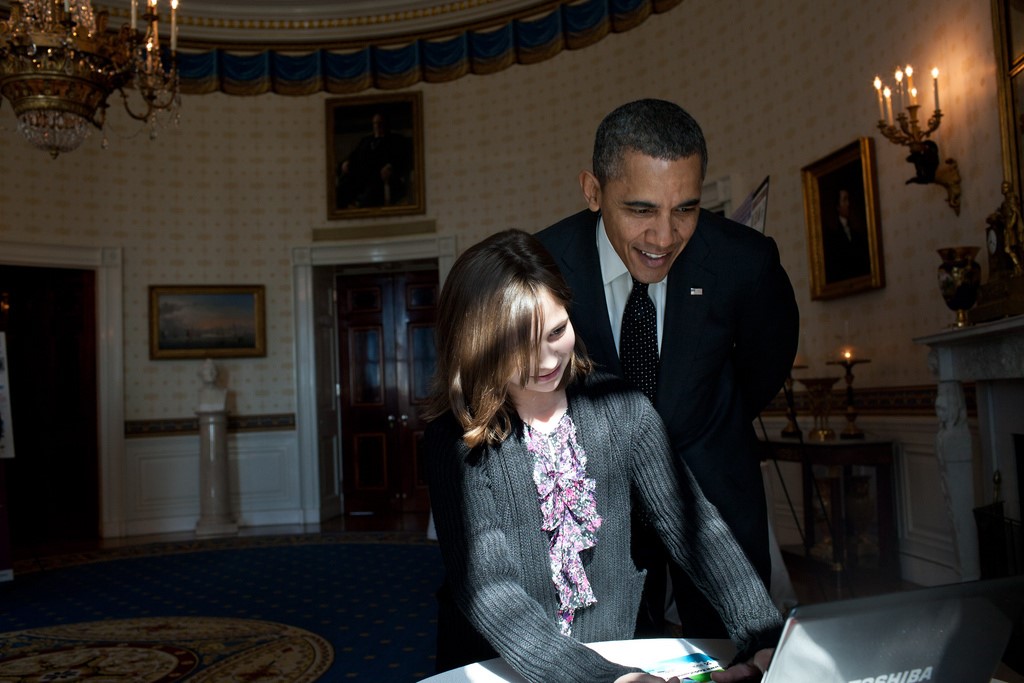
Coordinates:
(951, 634)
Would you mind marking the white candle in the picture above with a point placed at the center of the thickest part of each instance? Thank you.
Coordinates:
(910, 84)
(174, 26)
(881, 107)
(135, 16)
(899, 86)
(888, 103)
(935, 83)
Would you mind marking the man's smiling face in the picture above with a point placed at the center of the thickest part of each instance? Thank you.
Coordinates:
(649, 209)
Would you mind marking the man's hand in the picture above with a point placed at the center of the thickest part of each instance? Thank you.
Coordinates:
(751, 670)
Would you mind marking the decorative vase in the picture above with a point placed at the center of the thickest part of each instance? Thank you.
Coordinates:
(959, 280)
(819, 396)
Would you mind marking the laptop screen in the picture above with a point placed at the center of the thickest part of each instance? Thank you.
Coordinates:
(957, 632)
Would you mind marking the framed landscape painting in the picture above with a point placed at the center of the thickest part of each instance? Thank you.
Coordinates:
(215, 321)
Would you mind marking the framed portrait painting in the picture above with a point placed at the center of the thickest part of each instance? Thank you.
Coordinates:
(844, 238)
(216, 321)
(375, 156)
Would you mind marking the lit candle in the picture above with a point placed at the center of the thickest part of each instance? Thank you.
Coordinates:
(888, 103)
(881, 107)
(135, 15)
(913, 95)
(174, 26)
(935, 83)
(899, 85)
(910, 84)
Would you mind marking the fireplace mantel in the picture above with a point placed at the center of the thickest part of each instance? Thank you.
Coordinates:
(992, 356)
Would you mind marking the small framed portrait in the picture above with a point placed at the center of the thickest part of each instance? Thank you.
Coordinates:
(216, 321)
(844, 237)
(375, 156)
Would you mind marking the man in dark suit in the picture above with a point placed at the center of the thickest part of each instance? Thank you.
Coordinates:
(727, 321)
(845, 241)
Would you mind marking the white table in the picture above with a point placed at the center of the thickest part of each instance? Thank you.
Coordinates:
(638, 653)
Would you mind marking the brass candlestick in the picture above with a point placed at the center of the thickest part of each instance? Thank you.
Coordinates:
(791, 430)
(819, 395)
(852, 431)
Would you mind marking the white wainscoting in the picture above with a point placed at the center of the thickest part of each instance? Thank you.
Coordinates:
(923, 523)
(162, 481)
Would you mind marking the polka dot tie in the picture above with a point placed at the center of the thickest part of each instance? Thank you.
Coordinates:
(638, 341)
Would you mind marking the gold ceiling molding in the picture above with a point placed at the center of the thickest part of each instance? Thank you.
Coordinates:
(234, 24)
(331, 22)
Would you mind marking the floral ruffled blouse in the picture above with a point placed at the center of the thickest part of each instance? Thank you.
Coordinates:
(569, 512)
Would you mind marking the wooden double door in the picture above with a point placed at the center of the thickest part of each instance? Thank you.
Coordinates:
(386, 362)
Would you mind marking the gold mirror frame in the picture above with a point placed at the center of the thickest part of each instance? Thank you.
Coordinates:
(1007, 68)
(1003, 293)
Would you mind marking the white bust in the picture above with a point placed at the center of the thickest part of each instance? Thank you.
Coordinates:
(211, 397)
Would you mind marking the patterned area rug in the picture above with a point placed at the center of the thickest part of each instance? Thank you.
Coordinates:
(154, 649)
(355, 607)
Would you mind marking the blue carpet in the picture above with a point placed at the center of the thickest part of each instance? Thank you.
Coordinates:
(373, 602)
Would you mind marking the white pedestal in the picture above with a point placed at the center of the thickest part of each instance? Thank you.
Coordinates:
(215, 518)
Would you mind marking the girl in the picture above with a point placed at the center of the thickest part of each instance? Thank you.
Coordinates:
(533, 461)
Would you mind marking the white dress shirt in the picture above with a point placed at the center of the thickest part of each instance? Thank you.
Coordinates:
(618, 283)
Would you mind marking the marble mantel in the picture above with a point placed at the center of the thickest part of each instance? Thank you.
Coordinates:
(992, 356)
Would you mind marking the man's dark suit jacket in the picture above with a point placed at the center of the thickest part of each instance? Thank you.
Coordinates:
(730, 335)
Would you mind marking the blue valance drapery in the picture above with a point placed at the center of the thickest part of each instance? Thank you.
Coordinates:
(435, 58)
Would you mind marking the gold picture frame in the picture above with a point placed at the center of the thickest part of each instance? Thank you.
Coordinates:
(207, 321)
(844, 238)
(375, 156)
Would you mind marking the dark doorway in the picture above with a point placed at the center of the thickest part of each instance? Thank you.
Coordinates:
(53, 480)
(386, 361)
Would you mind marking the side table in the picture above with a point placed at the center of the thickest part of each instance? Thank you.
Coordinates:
(840, 457)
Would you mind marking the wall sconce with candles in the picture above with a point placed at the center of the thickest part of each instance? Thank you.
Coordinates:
(905, 129)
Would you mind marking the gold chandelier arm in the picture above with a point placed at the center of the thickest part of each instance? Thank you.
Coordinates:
(154, 99)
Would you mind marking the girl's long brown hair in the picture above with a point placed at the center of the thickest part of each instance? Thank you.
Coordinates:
(488, 320)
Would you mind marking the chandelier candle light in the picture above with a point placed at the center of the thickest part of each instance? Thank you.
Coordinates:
(59, 64)
(905, 129)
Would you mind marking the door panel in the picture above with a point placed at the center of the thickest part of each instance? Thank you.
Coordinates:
(325, 342)
(421, 294)
(386, 331)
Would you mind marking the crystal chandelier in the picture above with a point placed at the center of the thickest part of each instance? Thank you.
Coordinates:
(59, 64)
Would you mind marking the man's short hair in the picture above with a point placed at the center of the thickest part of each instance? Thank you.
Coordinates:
(655, 128)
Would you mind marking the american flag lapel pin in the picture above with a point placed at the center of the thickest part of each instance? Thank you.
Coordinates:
(696, 291)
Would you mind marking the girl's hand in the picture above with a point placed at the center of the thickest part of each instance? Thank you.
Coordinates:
(751, 670)
(644, 678)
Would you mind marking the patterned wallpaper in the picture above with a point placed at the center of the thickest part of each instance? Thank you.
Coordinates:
(225, 196)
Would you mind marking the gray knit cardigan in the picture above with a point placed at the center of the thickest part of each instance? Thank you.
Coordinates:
(498, 596)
